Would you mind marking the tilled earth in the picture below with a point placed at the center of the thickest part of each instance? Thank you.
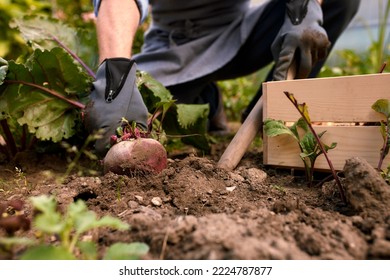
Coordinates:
(195, 210)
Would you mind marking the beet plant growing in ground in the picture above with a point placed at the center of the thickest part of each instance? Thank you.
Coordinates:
(309, 148)
(310, 144)
(42, 97)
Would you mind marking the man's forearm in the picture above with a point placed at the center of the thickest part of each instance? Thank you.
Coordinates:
(117, 24)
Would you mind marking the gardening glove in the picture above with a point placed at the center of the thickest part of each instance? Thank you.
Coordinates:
(301, 39)
(114, 96)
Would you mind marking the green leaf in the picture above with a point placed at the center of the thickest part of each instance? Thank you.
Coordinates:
(383, 130)
(310, 147)
(301, 123)
(88, 249)
(192, 121)
(47, 252)
(59, 71)
(332, 146)
(12, 241)
(124, 251)
(44, 203)
(382, 106)
(48, 220)
(188, 114)
(152, 91)
(187, 120)
(165, 105)
(85, 220)
(309, 144)
(49, 117)
(112, 222)
(276, 127)
(46, 33)
(39, 31)
(49, 223)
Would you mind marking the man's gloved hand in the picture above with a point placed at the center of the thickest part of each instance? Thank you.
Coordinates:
(114, 96)
(301, 38)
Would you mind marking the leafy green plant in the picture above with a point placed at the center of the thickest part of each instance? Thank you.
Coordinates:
(43, 97)
(371, 61)
(304, 112)
(186, 121)
(383, 106)
(309, 148)
(12, 45)
(310, 143)
(40, 96)
(70, 228)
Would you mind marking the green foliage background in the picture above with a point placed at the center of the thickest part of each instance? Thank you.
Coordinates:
(371, 60)
(74, 13)
(237, 93)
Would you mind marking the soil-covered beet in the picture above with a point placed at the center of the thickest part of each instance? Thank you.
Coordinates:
(194, 210)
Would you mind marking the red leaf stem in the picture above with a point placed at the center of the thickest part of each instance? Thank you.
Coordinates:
(49, 91)
(295, 103)
(10, 140)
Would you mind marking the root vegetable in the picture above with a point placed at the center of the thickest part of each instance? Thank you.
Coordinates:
(136, 156)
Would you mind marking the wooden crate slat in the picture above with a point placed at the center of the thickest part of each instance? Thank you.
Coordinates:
(339, 99)
(358, 141)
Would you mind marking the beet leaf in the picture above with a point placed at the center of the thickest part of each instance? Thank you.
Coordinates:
(309, 148)
(43, 92)
(187, 121)
(42, 97)
(383, 106)
(46, 33)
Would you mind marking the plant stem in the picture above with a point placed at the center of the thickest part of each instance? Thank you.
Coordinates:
(23, 140)
(9, 138)
(383, 67)
(329, 163)
(382, 31)
(385, 147)
(295, 103)
(73, 242)
(5, 152)
(49, 91)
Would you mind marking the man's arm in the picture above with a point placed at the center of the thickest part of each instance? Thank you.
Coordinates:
(117, 23)
(114, 94)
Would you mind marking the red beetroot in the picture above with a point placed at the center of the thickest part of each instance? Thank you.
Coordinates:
(142, 155)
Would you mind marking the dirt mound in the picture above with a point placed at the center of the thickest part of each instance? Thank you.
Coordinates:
(195, 210)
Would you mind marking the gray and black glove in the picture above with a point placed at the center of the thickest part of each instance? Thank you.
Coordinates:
(114, 96)
(301, 38)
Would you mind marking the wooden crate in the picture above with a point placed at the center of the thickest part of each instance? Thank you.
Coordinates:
(340, 100)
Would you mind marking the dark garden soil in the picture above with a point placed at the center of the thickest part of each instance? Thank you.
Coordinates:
(194, 210)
